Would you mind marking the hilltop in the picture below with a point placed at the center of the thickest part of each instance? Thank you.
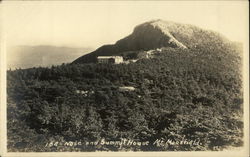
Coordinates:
(157, 34)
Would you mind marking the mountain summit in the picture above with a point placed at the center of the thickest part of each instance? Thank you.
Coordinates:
(156, 34)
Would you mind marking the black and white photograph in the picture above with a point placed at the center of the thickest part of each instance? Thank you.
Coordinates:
(124, 77)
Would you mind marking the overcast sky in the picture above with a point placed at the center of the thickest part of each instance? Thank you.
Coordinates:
(92, 24)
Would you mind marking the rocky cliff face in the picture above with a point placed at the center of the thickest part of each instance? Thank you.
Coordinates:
(151, 35)
(157, 34)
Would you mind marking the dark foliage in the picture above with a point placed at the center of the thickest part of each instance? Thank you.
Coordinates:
(192, 93)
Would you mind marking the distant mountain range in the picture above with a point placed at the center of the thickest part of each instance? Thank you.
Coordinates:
(44, 55)
(157, 34)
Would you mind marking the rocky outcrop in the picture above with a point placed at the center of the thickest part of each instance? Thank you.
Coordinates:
(156, 34)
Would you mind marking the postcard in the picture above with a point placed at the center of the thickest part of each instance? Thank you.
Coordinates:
(124, 78)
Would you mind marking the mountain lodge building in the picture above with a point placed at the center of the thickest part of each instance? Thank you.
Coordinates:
(110, 59)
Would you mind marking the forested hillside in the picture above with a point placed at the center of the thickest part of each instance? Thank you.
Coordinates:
(194, 94)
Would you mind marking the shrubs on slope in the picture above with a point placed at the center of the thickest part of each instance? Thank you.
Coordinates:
(180, 94)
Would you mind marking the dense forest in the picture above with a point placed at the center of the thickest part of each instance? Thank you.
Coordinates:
(194, 94)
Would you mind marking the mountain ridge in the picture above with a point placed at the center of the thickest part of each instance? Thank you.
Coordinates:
(156, 34)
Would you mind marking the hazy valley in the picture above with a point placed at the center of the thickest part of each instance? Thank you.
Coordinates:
(41, 56)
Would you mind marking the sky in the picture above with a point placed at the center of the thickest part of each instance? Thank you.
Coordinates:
(93, 24)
